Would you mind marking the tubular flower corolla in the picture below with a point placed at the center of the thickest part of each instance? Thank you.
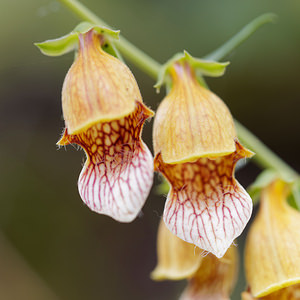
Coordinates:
(209, 278)
(104, 114)
(176, 259)
(196, 149)
(272, 252)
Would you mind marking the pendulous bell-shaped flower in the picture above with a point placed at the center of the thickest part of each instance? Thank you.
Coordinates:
(272, 253)
(104, 114)
(209, 278)
(196, 149)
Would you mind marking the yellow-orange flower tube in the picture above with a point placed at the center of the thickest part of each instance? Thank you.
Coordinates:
(272, 253)
(215, 279)
(176, 259)
(196, 149)
(208, 277)
(104, 114)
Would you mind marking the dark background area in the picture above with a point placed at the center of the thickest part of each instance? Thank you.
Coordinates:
(51, 245)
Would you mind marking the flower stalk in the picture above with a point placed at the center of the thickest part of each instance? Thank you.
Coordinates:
(264, 157)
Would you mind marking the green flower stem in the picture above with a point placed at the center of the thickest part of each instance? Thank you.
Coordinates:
(264, 156)
(131, 52)
(240, 37)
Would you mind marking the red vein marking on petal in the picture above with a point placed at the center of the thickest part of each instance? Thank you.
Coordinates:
(118, 173)
(206, 206)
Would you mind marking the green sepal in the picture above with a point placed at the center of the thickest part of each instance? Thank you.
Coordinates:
(60, 46)
(207, 67)
(266, 177)
(162, 77)
(294, 197)
(163, 188)
(69, 42)
(202, 68)
(111, 49)
(263, 180)
(84, 27)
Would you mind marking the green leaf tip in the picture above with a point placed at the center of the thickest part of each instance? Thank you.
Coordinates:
(241, 36)
(266, 18)
(202, 67)
(69, 42)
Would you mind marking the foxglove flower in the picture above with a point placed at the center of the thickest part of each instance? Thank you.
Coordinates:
(196, 149)
(272, 253)
(104, 114)
(209, 278)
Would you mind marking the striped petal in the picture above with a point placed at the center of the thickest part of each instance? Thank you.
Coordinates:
(118, 173)
(206, 206)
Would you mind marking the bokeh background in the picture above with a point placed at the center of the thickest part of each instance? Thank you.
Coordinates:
(51, 245)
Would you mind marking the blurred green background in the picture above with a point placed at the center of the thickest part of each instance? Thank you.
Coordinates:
(51, 245)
